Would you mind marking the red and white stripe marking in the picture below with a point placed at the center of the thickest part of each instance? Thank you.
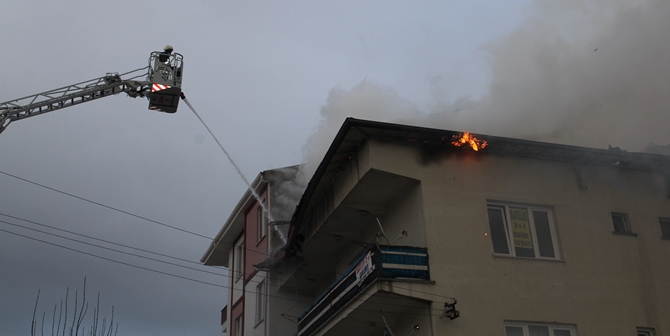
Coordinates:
(157, 87)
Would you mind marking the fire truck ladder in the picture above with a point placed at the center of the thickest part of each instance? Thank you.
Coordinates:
(110, 84)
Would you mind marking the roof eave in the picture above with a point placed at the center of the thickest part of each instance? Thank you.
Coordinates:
(572, 154)
(217, 252)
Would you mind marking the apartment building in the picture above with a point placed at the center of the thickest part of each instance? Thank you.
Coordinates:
(409, 230)
(245, 245)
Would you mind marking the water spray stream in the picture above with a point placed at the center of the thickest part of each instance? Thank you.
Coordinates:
(253, 192)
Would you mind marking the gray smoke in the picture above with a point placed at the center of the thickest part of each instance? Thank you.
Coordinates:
(587, 73)
(285, 191)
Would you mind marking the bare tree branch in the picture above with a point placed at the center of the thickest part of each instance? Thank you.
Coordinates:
(108, 328)
(32, 326)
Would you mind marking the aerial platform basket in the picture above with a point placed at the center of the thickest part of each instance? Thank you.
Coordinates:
(165, 75)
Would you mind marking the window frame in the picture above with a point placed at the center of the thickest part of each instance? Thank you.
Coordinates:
(261, 301)
(239, 260)
(261, 223)
(239, 325)
(552, 327)
(628, 229)
(664, 223)
(645, 331)
(504, 207)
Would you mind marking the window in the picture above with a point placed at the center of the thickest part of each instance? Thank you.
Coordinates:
(262, 222)
(665, 227)
(645, 332)
(260, 302)
(538, 329)
(522, 231)
(239, 260)
(621, 224)
(238, 326)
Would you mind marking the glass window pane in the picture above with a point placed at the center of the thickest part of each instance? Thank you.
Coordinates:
(521, 234)
(239, 262)
(544, 242)
(498, 232)
(513, 331)
(538, 330)
(562, 332)
(259, 222)
(238, 326)
(620, 223)
(665, 227)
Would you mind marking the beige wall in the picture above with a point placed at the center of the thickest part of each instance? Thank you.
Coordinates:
(404, 213)
(605, 284)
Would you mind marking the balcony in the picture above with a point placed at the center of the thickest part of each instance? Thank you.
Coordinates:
(381, 262)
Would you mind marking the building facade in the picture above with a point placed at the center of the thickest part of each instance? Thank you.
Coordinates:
(245, 246)
(406, 230)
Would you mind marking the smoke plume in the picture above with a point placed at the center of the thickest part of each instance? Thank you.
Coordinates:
(587, 73)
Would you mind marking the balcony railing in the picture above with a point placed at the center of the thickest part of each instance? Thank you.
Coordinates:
(380, 262)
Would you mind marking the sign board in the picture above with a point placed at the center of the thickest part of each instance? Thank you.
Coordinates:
(521, 228)
(364, 268)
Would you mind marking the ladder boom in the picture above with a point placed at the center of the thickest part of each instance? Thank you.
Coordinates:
(70, 95)
(160, 82)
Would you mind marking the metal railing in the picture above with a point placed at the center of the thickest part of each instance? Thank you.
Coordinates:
(380, 262)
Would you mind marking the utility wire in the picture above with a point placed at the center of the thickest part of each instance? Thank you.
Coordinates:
(113, 260)
(249, 250)
(147, 251)
(110, 242)
(106, 206)
(127, 213)
(111, 249)
(127, 246)
(94, 238)
(192, 279)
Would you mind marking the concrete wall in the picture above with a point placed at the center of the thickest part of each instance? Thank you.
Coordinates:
(605, 284)
(404, 213)
(251, 326)
(279, 303)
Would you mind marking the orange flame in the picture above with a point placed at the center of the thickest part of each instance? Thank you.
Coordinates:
(466, 138)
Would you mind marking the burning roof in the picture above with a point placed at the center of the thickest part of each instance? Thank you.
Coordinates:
(354, 132)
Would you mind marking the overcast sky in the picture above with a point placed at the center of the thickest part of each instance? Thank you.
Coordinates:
(274, 80)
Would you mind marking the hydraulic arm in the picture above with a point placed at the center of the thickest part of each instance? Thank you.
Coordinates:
(160, 82)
